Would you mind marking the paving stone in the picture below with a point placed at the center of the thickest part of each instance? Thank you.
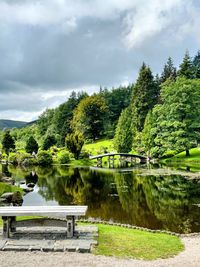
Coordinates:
(2, 243)
(39, 239)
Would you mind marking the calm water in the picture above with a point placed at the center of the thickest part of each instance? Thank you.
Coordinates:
(156, 199)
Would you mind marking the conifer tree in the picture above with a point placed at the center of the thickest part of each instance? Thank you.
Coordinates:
(8, 142)
(169, 71)
(145, 96)
(186, 68)
(124, 132)
(196, 65)
(31, 145)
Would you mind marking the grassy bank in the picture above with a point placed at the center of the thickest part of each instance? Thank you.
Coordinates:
(99, 147)
(122, 242)
(192, 161)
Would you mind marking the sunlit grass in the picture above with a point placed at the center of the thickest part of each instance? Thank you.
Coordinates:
(100, 146)
(122, 242)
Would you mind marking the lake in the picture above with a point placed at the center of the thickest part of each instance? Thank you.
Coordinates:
(147, 196)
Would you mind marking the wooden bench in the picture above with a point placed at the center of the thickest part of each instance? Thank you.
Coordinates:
(69, 213)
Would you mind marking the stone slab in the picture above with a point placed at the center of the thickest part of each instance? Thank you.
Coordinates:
(40, 239)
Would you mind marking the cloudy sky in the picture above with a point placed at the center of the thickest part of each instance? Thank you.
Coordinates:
(50, 47)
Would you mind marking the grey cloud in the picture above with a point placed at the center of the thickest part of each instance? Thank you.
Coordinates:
(85, 44)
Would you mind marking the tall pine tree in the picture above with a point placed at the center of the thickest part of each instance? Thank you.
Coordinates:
(186, 68)
(169, 71)
(145, 96)
(196, 65)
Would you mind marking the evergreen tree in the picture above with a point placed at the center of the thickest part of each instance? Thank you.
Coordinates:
(49, 141)
(196, 65)
(64, 115)
(169, 71)
(8, 142)
(124, 133)
(31, 145)
(74, 143)
(186, 68)
(145, 96)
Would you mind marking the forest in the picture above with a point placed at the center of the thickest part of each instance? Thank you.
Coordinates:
(157, 116)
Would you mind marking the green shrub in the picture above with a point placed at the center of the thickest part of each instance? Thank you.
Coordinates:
(44, 158)
(12, 158)
(23, 158)
(63, 157)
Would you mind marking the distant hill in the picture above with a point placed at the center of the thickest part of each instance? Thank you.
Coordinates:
(12, 124)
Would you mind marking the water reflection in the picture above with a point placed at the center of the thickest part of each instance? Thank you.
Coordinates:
(153, 201)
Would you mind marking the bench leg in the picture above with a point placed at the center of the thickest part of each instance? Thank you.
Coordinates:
(6, 227)
(70, 226)
(13, 224)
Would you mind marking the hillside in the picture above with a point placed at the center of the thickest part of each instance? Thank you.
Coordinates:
(11, 124)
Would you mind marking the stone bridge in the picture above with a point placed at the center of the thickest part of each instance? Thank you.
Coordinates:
(123, 157)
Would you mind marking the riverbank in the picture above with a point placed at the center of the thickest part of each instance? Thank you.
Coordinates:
(190, 257)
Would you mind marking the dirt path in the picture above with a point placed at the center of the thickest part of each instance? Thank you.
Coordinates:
(190, 257)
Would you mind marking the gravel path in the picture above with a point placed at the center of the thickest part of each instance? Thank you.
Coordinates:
(190, 257)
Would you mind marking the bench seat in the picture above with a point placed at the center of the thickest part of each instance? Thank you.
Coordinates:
(69, 213)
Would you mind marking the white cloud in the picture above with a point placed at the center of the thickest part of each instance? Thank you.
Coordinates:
(150, 18)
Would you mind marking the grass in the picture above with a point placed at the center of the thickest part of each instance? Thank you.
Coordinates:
(194, 155)
(99, 147)
(130, 243)
(193, 160)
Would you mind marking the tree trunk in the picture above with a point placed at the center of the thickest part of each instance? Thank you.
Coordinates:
(187, 152)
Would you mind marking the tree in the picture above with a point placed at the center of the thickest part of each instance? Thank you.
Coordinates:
(64, 114)
(176, 124)
(124, 133)
(117, 100)
(8, 142)
(74, 143)
(89, 116)
(145, 96)
(196, 65)
(31, 145)
(186, 68)
(49, 141)
(45, 120)
(147, 135)
(169, 71)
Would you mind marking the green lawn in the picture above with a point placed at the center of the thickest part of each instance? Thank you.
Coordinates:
(181, 159)
(122, 242)
(99, 147)
(194, 155)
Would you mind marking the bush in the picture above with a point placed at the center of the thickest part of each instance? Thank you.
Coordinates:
(23, 158)
(13, 158)
(63, 157)
(44, 158)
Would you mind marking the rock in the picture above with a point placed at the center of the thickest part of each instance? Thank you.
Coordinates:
(12, 197)
(28, 189)
(30, 185)
(7, 180)
(3, 201)
(8, 196)
(17, 199)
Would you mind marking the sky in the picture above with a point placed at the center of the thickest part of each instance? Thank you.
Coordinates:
(48, 48)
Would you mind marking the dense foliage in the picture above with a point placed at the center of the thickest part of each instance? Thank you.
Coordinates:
(155, 116)
(74, 143)
(31, 145)
(8, 142)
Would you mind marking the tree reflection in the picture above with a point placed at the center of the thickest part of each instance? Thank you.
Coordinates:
(153, 201)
